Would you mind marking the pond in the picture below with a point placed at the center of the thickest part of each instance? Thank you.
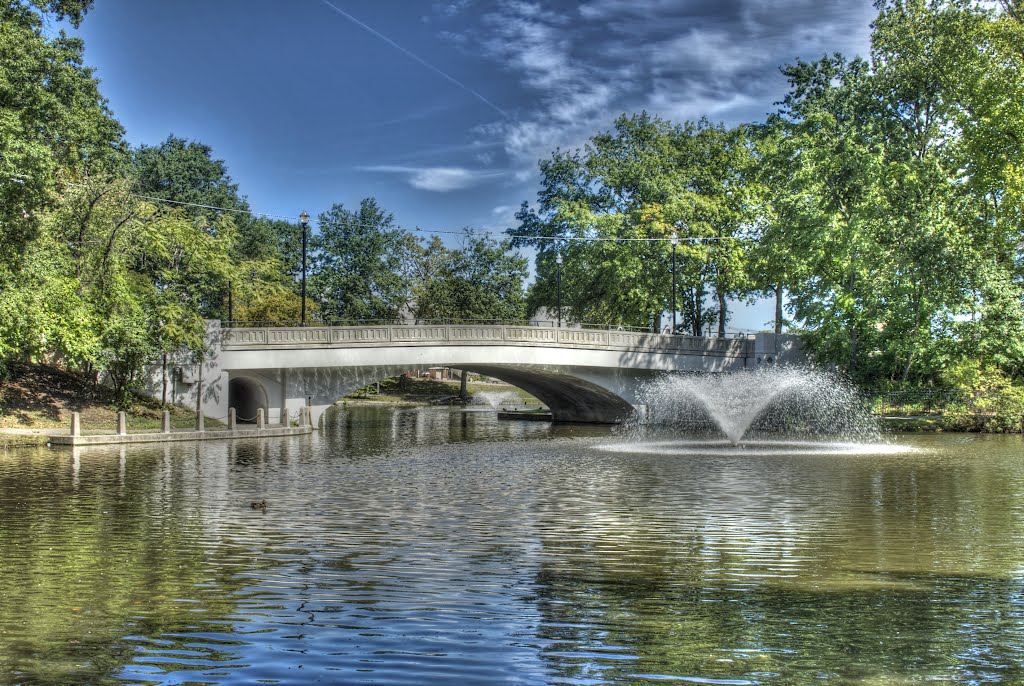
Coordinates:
(440, 546)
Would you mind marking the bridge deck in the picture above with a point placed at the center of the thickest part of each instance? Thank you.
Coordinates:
(269, 338)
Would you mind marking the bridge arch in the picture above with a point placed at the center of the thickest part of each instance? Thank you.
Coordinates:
(246, 395)
(569, 397)
(588, 375)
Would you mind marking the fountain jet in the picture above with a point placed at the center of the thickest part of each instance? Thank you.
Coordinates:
(794, 401)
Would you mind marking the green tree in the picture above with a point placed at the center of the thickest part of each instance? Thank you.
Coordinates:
(362, 264)
(612, 208)
(833, 162)
(480, 279)
(139, 271)
(185, 173)
(54, 124)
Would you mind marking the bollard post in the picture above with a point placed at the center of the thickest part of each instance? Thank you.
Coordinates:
(122, 423)
(165, 422)
(232, 419)
(76, 424)
(200, 422)
(259, 418)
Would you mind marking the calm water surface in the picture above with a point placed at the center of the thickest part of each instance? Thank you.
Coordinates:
(433, 546)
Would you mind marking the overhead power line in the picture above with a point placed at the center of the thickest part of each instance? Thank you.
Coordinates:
(470, 231)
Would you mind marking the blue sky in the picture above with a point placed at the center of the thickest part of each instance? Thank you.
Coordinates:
(440, 110)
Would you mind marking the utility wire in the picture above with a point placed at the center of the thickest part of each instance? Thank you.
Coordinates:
(502, 234)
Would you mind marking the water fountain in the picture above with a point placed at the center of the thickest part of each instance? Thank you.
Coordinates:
(798, 409)
(497, 399)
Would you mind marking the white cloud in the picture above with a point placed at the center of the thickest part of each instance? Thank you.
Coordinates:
(438, 179)
(578, 67)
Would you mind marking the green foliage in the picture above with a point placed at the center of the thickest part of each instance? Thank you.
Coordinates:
(362, 264)
(893, 227)
(641, 183)
(994, 402)
(481, 279)
(184, 172)
(54, 125)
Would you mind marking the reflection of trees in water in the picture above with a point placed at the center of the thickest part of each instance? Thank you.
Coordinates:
(98, 552)
(888, 572)
(369, 430)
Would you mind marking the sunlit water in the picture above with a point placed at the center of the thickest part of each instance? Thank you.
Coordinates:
(436, 546)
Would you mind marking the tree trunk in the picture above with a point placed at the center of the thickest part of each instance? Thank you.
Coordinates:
(919, 296)
(463, 392)
(199, 397)
(850, 282)
(163, 392)
(722, 313)
(910, 363)
(698, 310)
(778, 308)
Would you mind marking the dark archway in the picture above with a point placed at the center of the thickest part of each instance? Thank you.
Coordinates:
(246, 396)
(570, 399)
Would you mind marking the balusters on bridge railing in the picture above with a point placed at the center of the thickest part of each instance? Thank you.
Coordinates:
(369, 334)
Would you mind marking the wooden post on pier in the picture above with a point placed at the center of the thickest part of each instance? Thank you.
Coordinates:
(76, 424)
(122, 423)
(165, 422)
(232, 419)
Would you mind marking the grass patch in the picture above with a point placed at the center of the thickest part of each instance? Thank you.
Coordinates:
(426, 391)
(41, 397)
(912, 423)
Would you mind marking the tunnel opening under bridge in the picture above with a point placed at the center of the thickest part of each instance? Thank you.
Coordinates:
(247, 396)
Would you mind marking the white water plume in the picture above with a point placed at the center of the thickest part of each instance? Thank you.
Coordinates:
(793, 401)
(497, 399)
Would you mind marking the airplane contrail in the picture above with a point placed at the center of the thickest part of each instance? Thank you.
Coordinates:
(416, 57)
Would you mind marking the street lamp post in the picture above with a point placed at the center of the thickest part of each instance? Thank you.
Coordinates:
(675, 242)
(304, 222)
(558, 266)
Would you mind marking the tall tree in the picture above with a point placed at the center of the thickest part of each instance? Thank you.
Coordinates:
(362, 264)
(185, 173)
(612, 208)
(834, 162)
(54, 124)
(480, 279)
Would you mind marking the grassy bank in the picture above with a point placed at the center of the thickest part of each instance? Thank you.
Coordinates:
(42, 397)
(429, 391)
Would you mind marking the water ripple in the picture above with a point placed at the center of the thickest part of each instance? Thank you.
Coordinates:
(479, 555)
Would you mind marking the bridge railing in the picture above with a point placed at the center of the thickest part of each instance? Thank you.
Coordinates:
(248, 324)
(542, 323)
(385, 335)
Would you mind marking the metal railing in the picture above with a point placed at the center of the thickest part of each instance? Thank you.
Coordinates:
(920, 402)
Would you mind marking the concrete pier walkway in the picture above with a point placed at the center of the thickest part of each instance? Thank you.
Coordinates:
(177, 435)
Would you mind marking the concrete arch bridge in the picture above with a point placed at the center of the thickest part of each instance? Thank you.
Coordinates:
(581, 374)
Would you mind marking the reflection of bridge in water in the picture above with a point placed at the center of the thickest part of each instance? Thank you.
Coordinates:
(581, 374)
